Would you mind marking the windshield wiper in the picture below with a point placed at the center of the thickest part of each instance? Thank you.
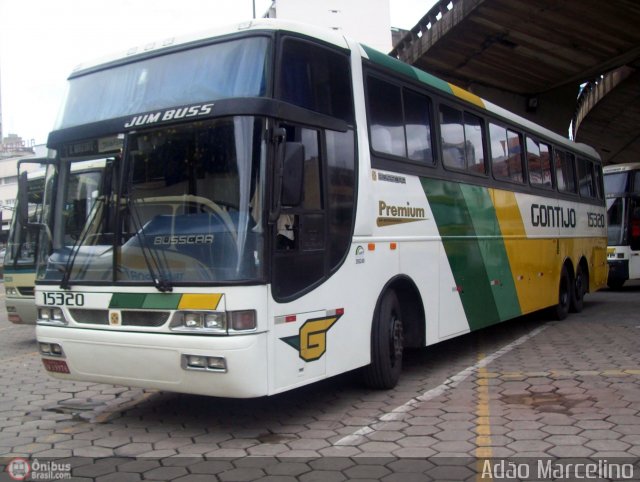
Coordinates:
(75, 249)
(161, 282)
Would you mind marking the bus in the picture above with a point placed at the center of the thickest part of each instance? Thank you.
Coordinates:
(282, 204)
(22, 246)
(19, 261)
(622, 188)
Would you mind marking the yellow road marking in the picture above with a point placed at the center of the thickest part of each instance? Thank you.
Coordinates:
(484, 452)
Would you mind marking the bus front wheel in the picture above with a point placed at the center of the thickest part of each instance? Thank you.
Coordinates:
(387, 343)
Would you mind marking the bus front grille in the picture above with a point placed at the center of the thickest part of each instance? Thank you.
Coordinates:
(127, 317)
(144, 318)
(93, 317)
(26, 290)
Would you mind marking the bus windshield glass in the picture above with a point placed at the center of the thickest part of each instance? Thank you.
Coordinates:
(22, 245)
(181, 204)
(616, 185)
(235, 68)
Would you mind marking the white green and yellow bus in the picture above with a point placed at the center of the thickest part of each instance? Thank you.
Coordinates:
(22, 244)
(283, 204)
(622, 189)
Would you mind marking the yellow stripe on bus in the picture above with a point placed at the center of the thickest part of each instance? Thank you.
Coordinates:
(466, 95)
(534, 263)
(199, 301)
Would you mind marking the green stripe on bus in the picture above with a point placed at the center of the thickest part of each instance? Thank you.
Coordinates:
(19, 270)
(127, 300)
(462, 246)
(162, 301)
(494, 253)
(405, 69)
(140, 301)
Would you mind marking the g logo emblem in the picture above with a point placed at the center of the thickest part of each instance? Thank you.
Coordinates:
(311, 341)
(114, 318)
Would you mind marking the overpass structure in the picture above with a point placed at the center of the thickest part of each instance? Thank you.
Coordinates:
(533, 56)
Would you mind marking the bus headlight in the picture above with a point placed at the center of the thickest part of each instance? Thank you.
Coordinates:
(199, 322)
(192, 320)
(11, 291)
(50, 349)
(53, 316)
(216, 322)
(204, 363)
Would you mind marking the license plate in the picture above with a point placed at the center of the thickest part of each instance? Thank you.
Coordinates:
(55, 366)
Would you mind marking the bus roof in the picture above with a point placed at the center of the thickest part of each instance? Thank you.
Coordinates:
(152, 49)
(329, 36)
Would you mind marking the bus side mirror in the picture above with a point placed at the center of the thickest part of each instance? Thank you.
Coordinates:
(23, 199)
(293, 174)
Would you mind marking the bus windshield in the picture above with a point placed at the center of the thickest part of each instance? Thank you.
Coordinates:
(22, 245)
(235, 68)
(179, 204)
(616, 185)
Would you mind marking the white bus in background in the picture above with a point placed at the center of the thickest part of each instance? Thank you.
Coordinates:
(23, 246)
(622, 189)
(22, 243)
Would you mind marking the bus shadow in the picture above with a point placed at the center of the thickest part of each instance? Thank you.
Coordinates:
(329, 402)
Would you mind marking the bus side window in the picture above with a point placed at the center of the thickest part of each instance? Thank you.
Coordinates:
(452, 132)
(316, 78)
(386, 118)
(539, 163)
(565, 171)
(599, 181)
(417, 124)
(585, 178)
(506, 153)
(462, 146)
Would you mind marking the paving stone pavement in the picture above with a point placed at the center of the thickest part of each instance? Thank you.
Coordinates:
(525, 389)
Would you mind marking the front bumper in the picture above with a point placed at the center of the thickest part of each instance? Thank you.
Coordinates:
(618, 270)
(154, 360)
(21, 311)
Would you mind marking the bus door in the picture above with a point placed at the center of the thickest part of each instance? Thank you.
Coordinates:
(299, 241)
(23, 238)
(634, 236)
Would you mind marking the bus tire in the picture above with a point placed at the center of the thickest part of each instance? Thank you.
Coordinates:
(579, 290)
(386, 344)
(564, 295)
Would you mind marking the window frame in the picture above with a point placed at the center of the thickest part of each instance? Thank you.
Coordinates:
(539, 142)
(387, 161)
(521, 136)
(281, 39)
(483, 125)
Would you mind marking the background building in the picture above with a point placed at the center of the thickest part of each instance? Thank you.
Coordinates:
(367, 21)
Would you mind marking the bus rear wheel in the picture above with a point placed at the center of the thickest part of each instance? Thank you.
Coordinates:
(387, 343)
(579, 290)
(564, 295)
